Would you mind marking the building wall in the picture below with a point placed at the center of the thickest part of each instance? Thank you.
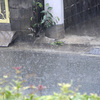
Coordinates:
(82, 17)
(20, 13)
(57, 9)
(80, 11)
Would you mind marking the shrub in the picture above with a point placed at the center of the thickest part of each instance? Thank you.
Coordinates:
(42, 19)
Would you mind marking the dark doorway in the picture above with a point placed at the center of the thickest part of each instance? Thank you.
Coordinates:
(38, 6)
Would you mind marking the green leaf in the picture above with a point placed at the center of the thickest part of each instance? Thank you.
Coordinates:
(8, 94)
(54, 23)
(42, 21)
(40, 4)
(43, 11)
(49, 8)
(44, 17)
(47, 4)
(31, 18)
(50, 14)
(58, 19)
(35, 25)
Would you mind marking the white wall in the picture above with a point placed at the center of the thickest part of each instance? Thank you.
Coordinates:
(57, 10)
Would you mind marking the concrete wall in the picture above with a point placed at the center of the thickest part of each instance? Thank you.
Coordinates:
(20, 13)
(57, 9)
(82, 15)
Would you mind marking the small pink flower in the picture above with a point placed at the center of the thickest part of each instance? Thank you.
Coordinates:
(17, 68)
(40, 87)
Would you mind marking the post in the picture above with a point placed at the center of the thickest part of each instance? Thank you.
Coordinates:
(56, 32)
(58, 10)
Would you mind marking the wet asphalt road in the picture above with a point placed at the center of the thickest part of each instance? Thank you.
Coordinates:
(52, 67)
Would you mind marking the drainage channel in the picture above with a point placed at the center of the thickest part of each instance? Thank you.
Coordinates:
(94, 51)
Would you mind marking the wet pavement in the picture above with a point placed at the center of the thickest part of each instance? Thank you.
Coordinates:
(53, 64)
(70, 43)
